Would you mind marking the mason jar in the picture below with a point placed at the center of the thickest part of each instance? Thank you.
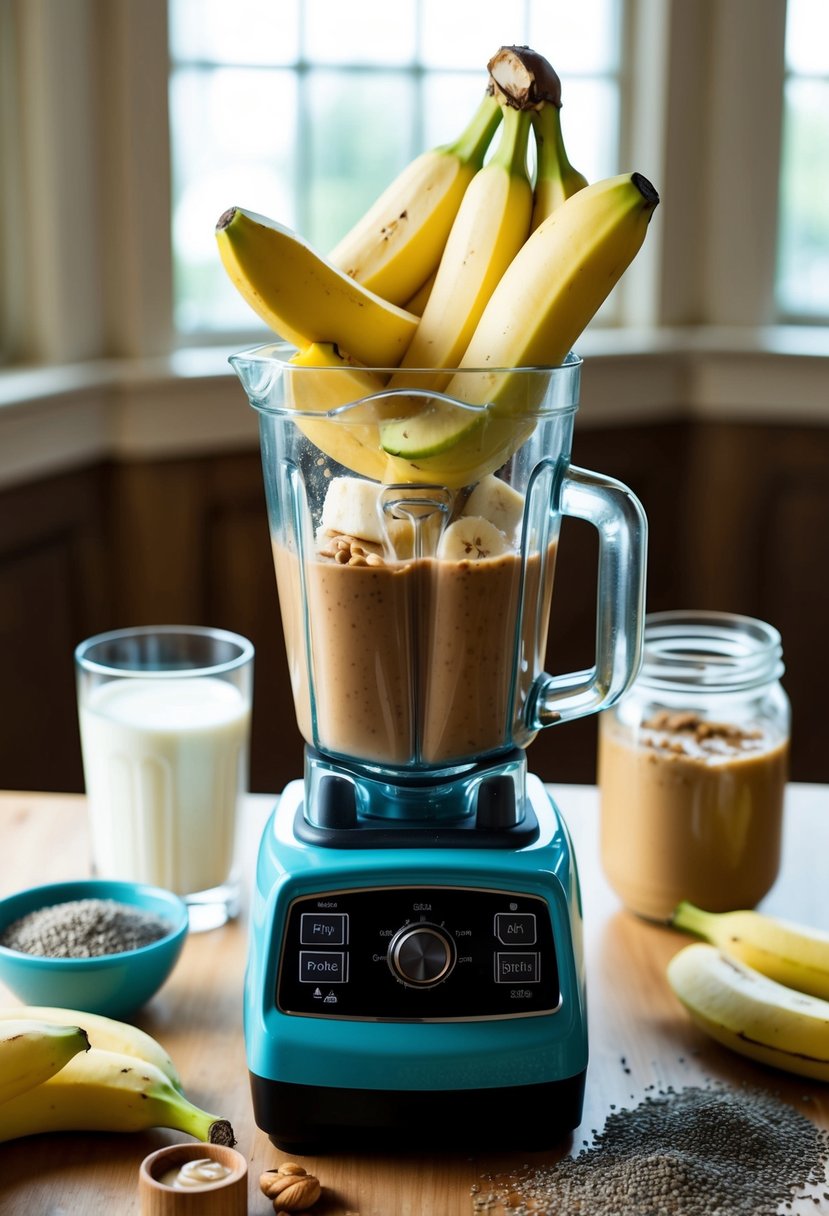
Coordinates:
(692, 767)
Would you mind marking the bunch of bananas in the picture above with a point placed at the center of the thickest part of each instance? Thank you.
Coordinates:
(458, 264)
(63, 1070)
(757, 985)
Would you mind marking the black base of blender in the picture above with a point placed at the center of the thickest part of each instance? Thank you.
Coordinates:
(310, 1119)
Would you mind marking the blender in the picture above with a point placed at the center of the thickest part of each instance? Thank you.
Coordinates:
(415, 973)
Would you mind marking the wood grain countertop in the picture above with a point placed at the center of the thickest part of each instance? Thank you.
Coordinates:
(639, 1035)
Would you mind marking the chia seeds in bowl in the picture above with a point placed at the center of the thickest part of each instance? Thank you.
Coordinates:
(84, 928)
(91, 944)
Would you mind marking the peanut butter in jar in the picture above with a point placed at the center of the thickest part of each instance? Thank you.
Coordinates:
(693, 765)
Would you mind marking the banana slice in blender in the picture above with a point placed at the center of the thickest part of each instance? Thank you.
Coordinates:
(351, 507)
(472, 538)
(498, 502)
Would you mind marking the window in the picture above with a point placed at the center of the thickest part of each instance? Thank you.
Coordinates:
(803, 247)
(303, 110)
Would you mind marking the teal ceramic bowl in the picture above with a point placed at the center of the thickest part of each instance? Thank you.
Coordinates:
(111, 984)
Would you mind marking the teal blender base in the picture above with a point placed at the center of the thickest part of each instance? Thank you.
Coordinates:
(418, 992)
(310, 1121)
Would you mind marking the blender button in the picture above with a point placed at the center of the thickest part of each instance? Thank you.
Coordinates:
(513, 967)
(323, 928)
(330, 966)
(515, 928)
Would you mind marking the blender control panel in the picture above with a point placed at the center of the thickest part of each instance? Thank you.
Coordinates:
(424, 953)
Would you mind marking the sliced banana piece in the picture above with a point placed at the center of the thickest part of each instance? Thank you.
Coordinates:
(499, 503)
(472, 538)
(351, 506)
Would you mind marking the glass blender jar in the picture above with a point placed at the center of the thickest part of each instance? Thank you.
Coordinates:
(416, 926)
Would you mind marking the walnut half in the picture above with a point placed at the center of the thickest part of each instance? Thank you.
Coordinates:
(290, 1187)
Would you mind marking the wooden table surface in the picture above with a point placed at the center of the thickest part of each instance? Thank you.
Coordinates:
(634, 1018)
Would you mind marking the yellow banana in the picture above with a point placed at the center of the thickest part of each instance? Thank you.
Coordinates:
(398, 242)
(556, 179)
(526, 79)
(417, 302)
(303, 297)
(550, 291)
(32, 1051)
(491, 226)
(108, 1092)
(751, 1014)
(328, 383)
(103, 1032)
(351, 438)
(788, 953)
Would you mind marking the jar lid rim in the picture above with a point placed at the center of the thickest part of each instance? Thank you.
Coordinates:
(702, 620)
(709, 651)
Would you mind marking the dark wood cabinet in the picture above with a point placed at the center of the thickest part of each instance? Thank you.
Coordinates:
(737, 521)
(54, 589)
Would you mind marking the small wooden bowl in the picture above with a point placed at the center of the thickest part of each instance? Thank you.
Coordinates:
(229, 1197)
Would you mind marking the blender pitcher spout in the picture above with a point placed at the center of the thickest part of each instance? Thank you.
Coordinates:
(258, 377)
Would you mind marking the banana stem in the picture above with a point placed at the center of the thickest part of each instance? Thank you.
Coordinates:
(511, 153)
(221, 1133)
(185, 1116)
(472, 143)
(556, 180)
(692, 920)
(552, 160)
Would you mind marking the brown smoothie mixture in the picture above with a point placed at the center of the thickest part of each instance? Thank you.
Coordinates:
(412, 661)
(692, 810)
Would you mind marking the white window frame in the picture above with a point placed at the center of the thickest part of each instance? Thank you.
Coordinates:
(92, 109)
(414, 70)
(84, 165)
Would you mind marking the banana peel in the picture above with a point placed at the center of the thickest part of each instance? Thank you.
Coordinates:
(305, 298)
(751, 1014)
(548, 294)
(792, 954)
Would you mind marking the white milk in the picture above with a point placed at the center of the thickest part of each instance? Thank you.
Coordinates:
(165, 760)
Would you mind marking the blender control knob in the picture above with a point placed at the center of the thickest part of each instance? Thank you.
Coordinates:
(421, 954)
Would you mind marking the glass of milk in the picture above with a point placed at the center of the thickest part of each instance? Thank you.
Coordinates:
(165, 728)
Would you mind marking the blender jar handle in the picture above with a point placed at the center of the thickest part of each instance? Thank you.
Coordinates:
(620, 520)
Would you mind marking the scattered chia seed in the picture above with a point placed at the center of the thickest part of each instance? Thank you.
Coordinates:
(83, 928)
(707, 1151)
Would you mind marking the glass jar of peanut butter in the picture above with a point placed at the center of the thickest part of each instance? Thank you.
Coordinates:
(693, 765)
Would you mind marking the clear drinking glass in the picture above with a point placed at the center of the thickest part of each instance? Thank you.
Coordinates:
(165, 727)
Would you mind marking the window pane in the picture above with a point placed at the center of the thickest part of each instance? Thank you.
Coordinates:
(807, 36)
(305, 110)
(467, 33)
(449, 100)
(590, 126)
(375, 31)
(233, 144)
(581, 37)
(358, 137)
(803, 267)
(248, 32)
